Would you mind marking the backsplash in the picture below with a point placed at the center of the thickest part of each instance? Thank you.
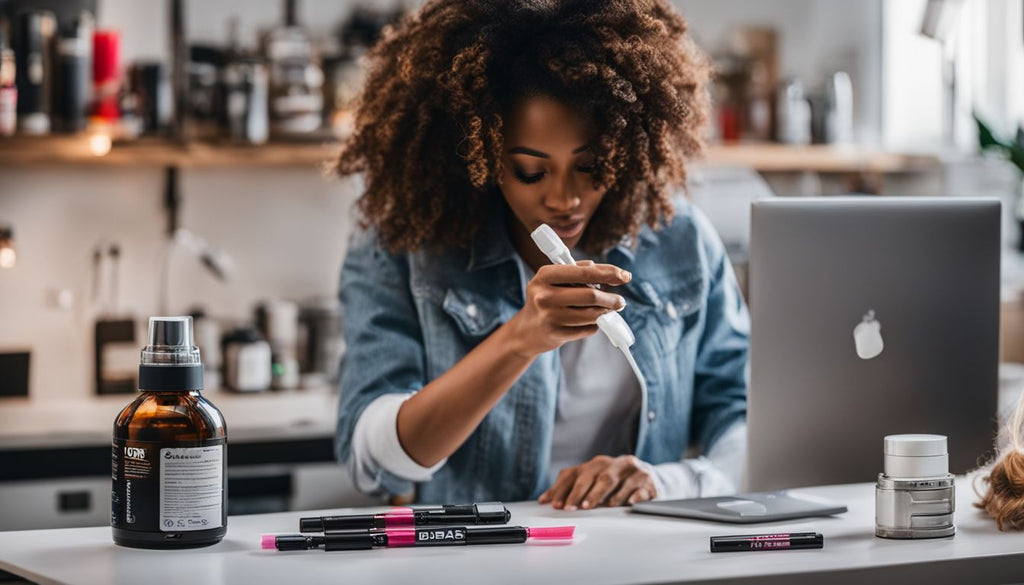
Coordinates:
(286, 230)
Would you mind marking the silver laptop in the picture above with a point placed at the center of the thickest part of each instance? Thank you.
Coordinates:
(871, 316)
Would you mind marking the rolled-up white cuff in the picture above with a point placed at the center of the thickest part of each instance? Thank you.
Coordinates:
(718, 474)
(375, 445)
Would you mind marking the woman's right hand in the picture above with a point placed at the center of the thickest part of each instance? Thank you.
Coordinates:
(558, 309)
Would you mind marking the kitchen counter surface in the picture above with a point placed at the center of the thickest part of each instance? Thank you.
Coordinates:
(271, 415)
(42, 440)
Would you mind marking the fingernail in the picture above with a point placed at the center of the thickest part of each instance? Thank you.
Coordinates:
(557, 504)
(586, 505)
(625, 275)
(570, 508)
(621, 304)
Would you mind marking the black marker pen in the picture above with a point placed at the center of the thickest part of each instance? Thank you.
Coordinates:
(484, 513)
(783, 541)
(395, 537)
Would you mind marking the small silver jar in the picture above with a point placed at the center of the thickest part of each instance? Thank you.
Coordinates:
(915, 497)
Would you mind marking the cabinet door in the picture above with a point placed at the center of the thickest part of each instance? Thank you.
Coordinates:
(55, 503)
(318, 486)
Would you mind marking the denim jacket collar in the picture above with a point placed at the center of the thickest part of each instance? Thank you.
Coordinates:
(493, 244)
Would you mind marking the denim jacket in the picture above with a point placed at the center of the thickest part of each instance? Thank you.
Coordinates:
(410, 317)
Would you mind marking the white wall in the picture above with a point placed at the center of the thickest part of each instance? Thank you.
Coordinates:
(989, 56)
(914, 96)
(816, 37)
(999, 68)
(285, 228)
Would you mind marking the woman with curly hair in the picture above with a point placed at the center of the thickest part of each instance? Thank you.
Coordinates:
(473, 371)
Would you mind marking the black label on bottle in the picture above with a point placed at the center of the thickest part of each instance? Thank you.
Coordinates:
(168, 487)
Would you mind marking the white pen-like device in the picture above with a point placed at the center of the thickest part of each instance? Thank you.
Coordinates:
(613, 325)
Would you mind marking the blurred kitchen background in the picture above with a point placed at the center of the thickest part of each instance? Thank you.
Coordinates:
(168, 157)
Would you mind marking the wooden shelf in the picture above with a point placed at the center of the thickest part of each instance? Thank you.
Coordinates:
(76, 150)
(781, 158)
(155, 152)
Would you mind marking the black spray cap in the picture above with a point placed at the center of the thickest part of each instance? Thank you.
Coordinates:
(170, 362)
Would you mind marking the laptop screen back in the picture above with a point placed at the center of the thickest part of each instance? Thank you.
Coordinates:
(917, 279)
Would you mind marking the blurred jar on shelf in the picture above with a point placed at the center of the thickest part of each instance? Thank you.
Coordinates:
(34, 70)
(246, 87)
(204, 98)
(73, 80)
(320, 345)
(793, 113)
(832, 110)
(344, 71)
(730, 90)
(150, 84)
(247, 362)
(279, 321)
(106, 75)
(8, 89)
(758, 46)
(296, 79)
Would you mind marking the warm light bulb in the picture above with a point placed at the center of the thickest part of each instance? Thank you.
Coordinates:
(99, 144)
(7, 256)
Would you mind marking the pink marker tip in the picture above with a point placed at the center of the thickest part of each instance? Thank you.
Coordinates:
(551, 533)
(268, 541)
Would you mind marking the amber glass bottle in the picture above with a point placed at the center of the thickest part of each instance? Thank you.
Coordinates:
(169, 455)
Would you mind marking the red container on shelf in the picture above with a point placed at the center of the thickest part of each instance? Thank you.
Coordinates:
(106, 73)
(729, 125)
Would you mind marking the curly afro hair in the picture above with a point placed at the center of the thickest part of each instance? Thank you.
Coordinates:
(428, 127)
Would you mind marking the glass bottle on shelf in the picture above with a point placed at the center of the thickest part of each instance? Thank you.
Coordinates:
(8, 89)
(296, 79)
(245, 89)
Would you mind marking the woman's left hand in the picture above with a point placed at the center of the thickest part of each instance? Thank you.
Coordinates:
(613, 480)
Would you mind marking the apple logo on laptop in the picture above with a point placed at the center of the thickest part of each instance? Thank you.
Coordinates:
(867, 337)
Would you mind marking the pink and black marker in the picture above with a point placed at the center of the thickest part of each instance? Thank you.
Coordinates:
(782, 541)
(464, 514)
(395, 537)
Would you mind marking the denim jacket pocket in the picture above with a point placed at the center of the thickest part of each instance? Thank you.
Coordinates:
(474, 314)
(673, 307)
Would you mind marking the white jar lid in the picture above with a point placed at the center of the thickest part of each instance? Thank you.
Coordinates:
(915, 445)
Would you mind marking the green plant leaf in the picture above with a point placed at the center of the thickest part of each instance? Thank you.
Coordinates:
(1014, 151)
(986, 139)
(1017, 158)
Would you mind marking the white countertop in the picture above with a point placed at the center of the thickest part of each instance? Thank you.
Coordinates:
(612, 546)
(26, 423)
(266, 416)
